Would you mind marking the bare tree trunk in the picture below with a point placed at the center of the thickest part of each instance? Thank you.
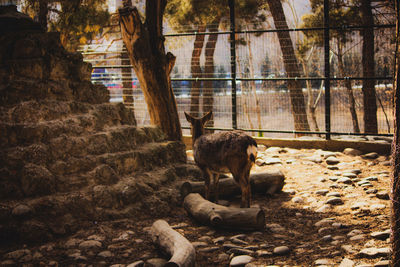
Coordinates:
(291, 67)
(253, 85)
(196, 72)
(209, 68)
(145, 45)
(368, 52)
(43, 11)
(347, 85)
(396, 152)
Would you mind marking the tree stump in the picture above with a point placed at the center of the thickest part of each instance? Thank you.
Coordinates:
(181, 250)
(216, 215)
(268, 182)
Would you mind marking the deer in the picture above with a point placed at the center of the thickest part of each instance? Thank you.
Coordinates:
(218, 153)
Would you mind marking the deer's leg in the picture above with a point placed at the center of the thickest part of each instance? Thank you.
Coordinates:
(207, 176)
(216, 185)
(244, 183)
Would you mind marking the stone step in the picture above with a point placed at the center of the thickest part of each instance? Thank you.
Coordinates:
(27, 218)
(96, 120)
(43, 178)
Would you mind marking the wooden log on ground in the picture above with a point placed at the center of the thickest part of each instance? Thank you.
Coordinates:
(268, 182)
(216, 215)
(181, 250)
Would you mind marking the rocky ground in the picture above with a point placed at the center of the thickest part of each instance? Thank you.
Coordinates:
(334, 211)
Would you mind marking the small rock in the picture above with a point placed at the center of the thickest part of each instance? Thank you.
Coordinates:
(333, 178)
(383, 195)
(240, 251)
(136, 264)
(199, 244)
(358, 237)
(320, 262)
(372, 155)
(156, 262)
(240, 260)
(334, 201)
(371, 178)
(322, 192)
(371, 191)
(298, 200)
(332, 160)
(352, 152)
(89, 244)
(8, 263)
(375, 252)
(18, 254)
(382, 263)
(263, 253)
(345, 180)
(223, 257)
(105, 254)
(208, 249)
(333, 194)
(354, 233)
(219, 240)
(21, 210)
(358, 205)
(326, 238)
(346, 263)
(324, 208)
(377, 207)
(349, 249)
(381, 235)
(282, 250)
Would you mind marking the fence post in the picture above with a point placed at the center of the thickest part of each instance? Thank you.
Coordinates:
(233, 61)
(327, 72)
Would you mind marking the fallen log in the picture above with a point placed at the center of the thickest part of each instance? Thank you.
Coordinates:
(268, 182)
(216, 215)
(181, 250)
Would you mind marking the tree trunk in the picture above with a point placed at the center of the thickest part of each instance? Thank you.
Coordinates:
(368, 52)
(127, 92)
(196, 72)
(145, 45)
(216, 215)
(349, 90)
(181, 250)
(396, 151)
(291, 67)
(43, 11)
(268, 182)
(209, 68)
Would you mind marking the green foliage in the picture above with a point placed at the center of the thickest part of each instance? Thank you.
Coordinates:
(78, 21)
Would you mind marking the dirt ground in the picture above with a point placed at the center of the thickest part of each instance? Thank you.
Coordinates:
(298, 218)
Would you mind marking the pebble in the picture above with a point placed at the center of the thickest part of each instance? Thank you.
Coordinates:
(377, 207)
(136, 264)
(375, 252)
(199, 244)
(382, 263)
(156, 262)
(372, 155)
(298, 200)
(346, 263)
(333, 194)
(208, 249)
(381, 235)
(371, 191)
(349, 175)
(371, 178)
(240, 260)
(21, 210)
(320, 262)
(382, 195)
(352, 152)
(349, 249)
(324, 208)
(219, 240)
(240, 251)
(332, 160)
(105, 254)
(282, 250)
(354, 232)
(18, 254)
(358, 237)
(334, 201)
(345, 180)
(263, 253)
(322, 192)
(90, 244)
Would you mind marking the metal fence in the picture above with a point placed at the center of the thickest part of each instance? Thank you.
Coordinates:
(238, 71)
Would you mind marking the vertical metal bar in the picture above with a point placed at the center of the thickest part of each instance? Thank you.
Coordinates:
(233, 61)
(327, 72)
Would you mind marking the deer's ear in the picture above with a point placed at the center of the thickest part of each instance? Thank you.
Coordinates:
(188, 117)
(206, 117)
